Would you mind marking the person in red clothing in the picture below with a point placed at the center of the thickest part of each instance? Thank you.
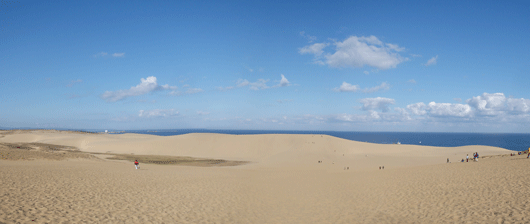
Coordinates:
(136, 164)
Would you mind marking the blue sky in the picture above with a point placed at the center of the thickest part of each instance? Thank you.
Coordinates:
(437, 66)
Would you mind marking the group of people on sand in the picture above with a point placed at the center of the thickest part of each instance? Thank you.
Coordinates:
(475, 157)
(519, 153)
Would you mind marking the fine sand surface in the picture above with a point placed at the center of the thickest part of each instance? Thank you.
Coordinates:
(283, 182)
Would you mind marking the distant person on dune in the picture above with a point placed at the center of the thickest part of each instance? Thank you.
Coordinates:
(136, 164)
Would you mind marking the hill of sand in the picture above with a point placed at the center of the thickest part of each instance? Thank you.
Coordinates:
(283, 183)
(270, 150)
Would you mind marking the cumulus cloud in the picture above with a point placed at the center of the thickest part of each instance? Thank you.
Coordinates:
(449, 109)
(432, 61)
(497, 104)
(158, 113)
(518, 105)
(357, 52)
(417, 108)
(440, 109)
(146, 86)
(379, 103)
(317, 49)
(283, 82)
(488, 104)
(347, 87)
(118, 55)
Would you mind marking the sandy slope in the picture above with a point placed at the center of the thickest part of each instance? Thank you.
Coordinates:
(271, 150)
(285, 184)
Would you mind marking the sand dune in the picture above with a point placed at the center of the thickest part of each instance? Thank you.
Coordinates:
(283, 184)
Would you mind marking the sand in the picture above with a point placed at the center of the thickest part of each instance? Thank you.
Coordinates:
(283, 182)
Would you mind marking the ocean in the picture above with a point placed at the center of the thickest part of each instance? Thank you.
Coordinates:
(516, 142)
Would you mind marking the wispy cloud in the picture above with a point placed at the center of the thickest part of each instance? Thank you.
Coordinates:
(105, 54)
(118, 55)
(357, 52)
(347, 87)
(100, 54)
(202, 113)
(284, 101)
(193, 90)
(146, 86)
(158, 113)
(73, 82)
(260, 84)
(309, 38)
(432, 61)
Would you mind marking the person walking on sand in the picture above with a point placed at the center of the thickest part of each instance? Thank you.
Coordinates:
(136, 164)
(467, 158)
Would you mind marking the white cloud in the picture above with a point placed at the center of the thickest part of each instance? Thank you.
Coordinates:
(518, 105)
(147, 85)
(73, 82)
(375, 115)
(283, 82)
(417, 108)
(488, 104)
(449, 109)
(202, 113)
(432, 61)
(316, 49)
(441, 109)
(395, 47)
(383, 86)
(357, 52)
(260, 84)
(347, 87)
(158, 113)
(167, 86)
(412, 81)
(242, 82)
(118, 55)
(379, 103)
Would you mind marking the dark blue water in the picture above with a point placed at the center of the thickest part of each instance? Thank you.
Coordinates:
(516, 142)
